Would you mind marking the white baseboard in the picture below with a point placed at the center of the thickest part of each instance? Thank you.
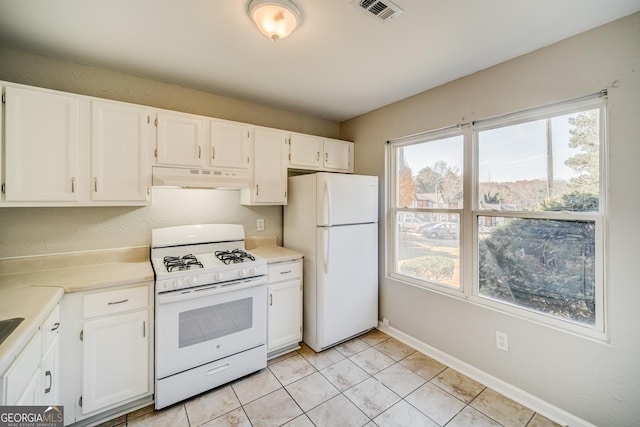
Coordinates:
(532, 402)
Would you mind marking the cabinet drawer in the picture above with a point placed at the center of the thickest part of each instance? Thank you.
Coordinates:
(284, 271)
(50, 328)
(115, 301)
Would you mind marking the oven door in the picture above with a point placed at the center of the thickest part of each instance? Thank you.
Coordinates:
(198, 326)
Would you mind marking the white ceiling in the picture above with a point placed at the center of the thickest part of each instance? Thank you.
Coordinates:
(340, 63)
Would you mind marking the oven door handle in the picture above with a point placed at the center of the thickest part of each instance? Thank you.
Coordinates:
(187, 294)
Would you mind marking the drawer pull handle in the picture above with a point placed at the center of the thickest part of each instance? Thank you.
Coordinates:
(55, 326)
(285, 272)
(118, 302)
(218, 369)
(270, 300)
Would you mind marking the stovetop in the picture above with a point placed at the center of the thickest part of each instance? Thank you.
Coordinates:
(197, 255)
(188, 270)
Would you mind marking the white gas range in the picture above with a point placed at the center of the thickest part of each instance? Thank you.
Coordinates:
(211, 309)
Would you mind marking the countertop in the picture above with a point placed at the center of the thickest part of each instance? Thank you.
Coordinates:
(30, 287)
(267, 248)
(276, 253)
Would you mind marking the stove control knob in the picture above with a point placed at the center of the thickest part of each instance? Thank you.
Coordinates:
(218, 276)
(252, 271)
(241, 273)
(192, 281)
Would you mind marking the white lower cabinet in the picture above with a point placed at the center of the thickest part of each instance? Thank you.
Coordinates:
(107, 354)
(21, 382)
(34, 377)
(50, 362)
(115, 359)
(284, 330)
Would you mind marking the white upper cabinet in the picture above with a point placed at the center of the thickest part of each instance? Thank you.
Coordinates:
(338, 155)
(63, 149)
(42, 141)
(181, 139)
(322, 154)
(305, 151)
(269, 169)
(119, 151)
(230, 144)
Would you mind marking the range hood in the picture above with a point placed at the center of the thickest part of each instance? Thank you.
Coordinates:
(199, 177)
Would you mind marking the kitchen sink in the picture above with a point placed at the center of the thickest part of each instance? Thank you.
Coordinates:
(7, 326)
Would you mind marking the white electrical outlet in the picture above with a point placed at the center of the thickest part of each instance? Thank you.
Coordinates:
(260, 225)
(502, 341)
(385, 321)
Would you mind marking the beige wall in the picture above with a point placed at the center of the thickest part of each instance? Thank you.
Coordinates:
(34, 231)
(594, 381)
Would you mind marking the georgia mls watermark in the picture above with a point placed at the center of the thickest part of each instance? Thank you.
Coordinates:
(31, 416)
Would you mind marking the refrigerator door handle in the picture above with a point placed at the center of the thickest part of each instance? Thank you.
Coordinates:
(326, 240)
(326, 206)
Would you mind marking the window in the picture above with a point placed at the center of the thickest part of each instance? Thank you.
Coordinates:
(428, 208)
(507, 212)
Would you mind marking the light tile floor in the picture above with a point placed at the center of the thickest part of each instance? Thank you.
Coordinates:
(372, 380)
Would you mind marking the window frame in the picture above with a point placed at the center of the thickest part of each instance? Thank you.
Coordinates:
(393, 209)
(469, 233)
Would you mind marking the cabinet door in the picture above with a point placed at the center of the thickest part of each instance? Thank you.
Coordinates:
(337, 155)
(50, 381)
(119, 144)
(284, 314)
(115, 359)
(270, 169)
(230, 145)
(22, 379)
(181, 140)
(32, 394)
(42, 146)
(305, 151)
(50, 363)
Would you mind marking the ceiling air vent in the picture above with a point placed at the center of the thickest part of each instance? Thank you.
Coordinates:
(381, 10)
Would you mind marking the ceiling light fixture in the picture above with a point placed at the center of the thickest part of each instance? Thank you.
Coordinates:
(276, 19)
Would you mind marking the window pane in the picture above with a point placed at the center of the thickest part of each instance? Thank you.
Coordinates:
(430, 174)
(429, 247)
(544, 265)
(548, 164)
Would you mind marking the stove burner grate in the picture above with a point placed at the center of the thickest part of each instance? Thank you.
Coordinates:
(234, 256)
(186, 262)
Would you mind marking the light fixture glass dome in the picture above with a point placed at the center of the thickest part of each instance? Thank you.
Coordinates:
(276, 19)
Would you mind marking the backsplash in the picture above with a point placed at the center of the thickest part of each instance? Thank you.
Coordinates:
(39, 231)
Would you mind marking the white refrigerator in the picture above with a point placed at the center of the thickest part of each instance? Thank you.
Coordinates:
(332, 219)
